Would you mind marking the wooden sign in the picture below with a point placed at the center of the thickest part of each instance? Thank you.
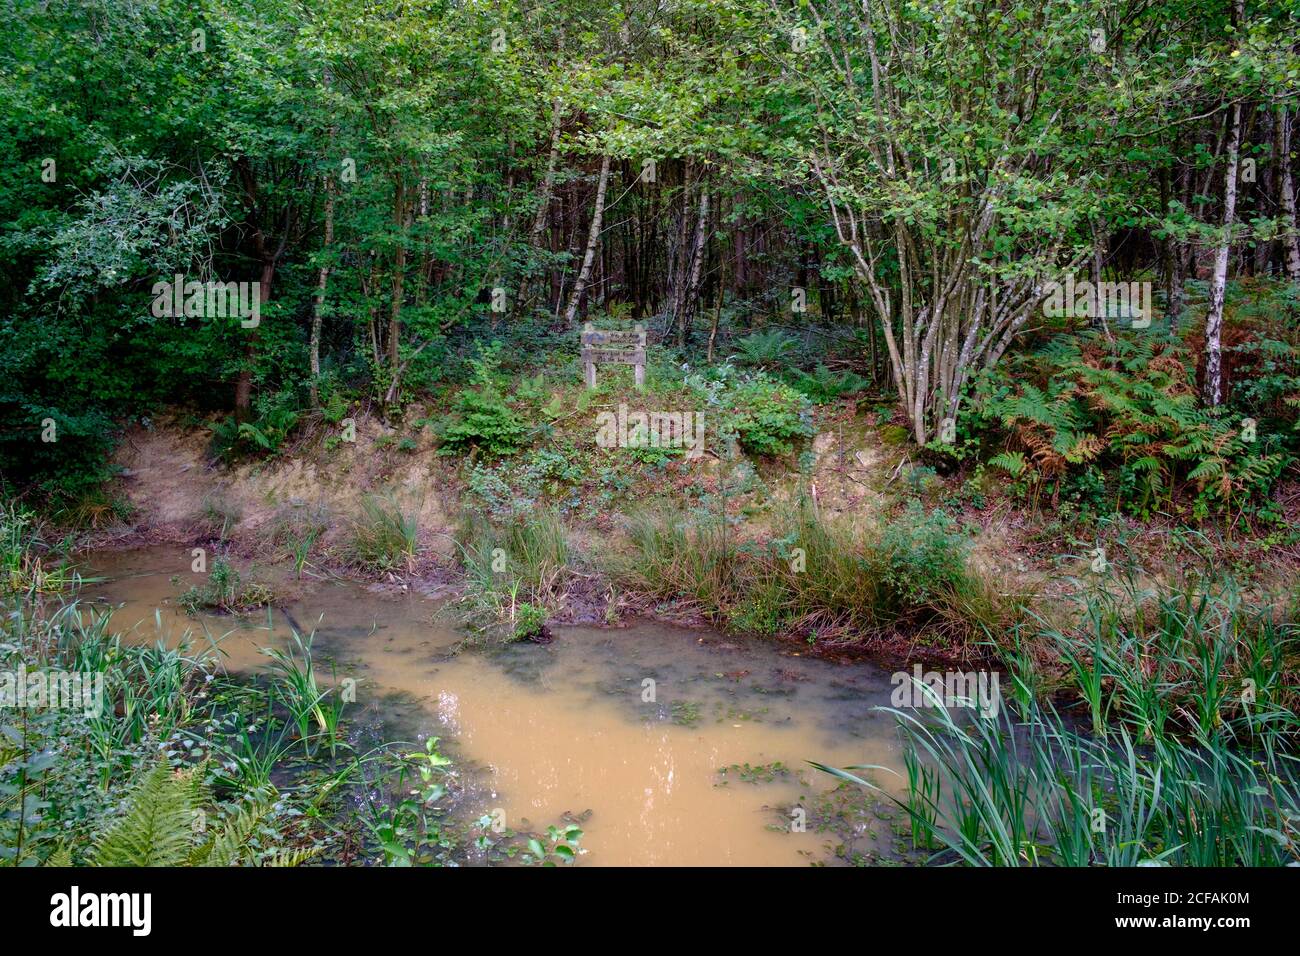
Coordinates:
(613, 348)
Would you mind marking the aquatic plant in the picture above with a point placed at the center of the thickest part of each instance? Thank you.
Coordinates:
(225, 590)
(297, 689)
(1178, 764)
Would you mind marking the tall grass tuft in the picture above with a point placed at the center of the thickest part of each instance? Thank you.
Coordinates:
(513, 573)
(316, 713)
(1193, 657)
(384, 536)
(839, 582)
(671, 558)
(1186, 755)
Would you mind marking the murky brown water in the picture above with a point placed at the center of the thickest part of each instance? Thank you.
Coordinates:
(566, 728)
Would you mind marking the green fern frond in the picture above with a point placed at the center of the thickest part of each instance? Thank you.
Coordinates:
(61, 857)
(292, 857)
(156, 825)
(1012, 462)
(230, 845)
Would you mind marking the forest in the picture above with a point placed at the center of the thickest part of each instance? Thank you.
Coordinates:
(701, 356)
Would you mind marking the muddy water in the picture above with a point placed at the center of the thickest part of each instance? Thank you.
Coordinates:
(678, 771)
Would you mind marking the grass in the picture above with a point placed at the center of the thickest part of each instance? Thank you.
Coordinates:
(384, 536)
(835, 582)
(1175, 764)
(514, 574)
(1190, 657)
(301, 695)
(217, 516)
(25, 562)
(225, 590)
(671, 558)
(298, 534)
(1031, 789)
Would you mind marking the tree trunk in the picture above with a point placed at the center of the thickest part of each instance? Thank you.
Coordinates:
(593, 237)
(544, 206)
(1213, 391)
(717, 309)
(680, 265)
(318, 303)
(399, 276)
(244, 386)
(1285, 122)
(403, 218)
(1267, 191)
(697, 261)
(1099, 245)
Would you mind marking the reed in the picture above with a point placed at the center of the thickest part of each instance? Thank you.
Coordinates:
(1174, 766)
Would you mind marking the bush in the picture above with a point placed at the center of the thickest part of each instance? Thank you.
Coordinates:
(923, 556)
(485, 422)
(767, 416)
(483, 419)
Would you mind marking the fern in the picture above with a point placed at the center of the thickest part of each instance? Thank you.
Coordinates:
(229, 845)
(1012, 462)
(156, 827)
(62, 857)
(766, 347)
(1130, 410)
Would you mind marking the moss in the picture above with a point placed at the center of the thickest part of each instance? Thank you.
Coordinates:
(892, 434)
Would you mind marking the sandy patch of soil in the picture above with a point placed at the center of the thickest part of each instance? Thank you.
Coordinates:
(177, 491)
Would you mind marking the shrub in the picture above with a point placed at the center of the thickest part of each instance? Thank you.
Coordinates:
(529, 620)
(923, 556)
(486, 423)
(483, 419)
(767, 416)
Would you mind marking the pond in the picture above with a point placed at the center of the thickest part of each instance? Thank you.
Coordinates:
(670, 745)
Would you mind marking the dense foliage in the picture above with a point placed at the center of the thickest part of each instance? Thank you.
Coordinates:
(401, 183)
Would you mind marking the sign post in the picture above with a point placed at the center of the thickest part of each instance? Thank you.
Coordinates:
(613, 348)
